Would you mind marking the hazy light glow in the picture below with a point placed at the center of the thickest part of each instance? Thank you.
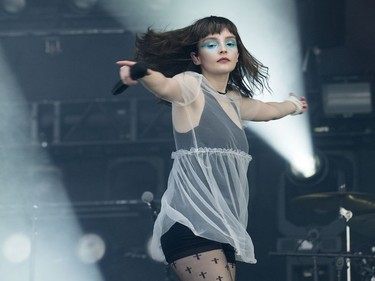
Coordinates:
(281, 52)
(91, 248)
(13, 6)
(148, 248)
(290, 138)
(28, 178)
(17, 248)
(84, 5)
(304, 166)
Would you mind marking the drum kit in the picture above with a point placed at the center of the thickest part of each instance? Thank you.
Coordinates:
(358, 211)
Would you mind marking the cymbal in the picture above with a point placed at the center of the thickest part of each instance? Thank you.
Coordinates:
(363, 224)
(332, 201)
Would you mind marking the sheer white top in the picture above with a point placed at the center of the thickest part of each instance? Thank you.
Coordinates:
(207, 186)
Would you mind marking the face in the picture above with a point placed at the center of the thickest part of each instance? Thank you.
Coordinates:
(217, 53)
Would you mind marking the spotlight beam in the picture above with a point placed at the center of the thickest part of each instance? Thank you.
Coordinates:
(27, 179)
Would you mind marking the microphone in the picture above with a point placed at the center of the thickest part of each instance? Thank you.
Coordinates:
(148, 198)
(137, 71)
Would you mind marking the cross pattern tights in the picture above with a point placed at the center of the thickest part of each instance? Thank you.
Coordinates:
(206, 266)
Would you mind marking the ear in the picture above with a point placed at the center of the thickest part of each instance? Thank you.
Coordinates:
(195, 58)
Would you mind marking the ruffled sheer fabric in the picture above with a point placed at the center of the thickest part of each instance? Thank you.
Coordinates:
(207, 187)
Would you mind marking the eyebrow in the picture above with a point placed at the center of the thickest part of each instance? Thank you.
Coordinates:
(215, 37)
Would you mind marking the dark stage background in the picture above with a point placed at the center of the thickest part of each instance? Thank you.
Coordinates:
(107, 149)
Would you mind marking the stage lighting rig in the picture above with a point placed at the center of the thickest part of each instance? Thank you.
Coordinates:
(309, 169)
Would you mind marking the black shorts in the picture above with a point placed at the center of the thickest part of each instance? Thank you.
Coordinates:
(179, 242)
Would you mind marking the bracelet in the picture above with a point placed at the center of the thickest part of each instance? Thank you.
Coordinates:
(297, 103)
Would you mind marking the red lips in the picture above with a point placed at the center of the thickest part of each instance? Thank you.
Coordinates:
(223, 60)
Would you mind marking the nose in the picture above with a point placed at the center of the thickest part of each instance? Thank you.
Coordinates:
(223, 48)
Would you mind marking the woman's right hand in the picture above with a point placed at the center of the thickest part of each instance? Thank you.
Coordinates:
(162, 87)
(125, 74)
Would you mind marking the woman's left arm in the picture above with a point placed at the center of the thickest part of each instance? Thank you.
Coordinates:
(255, 110)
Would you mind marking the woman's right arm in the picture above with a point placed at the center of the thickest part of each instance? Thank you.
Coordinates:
(162, 87)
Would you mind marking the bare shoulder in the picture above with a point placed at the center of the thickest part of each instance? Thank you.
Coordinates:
(186, 117)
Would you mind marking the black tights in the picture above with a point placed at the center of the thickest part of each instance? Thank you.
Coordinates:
(198, 259)
(206, 266)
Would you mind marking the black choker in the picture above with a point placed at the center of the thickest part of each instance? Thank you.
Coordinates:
(221, 93)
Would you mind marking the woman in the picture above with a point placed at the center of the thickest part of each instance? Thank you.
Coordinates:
(209, 77)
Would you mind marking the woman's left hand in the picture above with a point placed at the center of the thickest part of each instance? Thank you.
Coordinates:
(300, 103)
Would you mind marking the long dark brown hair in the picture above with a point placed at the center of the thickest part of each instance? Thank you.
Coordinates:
(169, 52)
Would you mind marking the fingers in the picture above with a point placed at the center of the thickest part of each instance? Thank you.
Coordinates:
(304, 104)
(125, 62)
(126, 77)
(125, 72)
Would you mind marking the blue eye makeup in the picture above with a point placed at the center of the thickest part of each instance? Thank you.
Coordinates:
(212, 44)
(231, 43)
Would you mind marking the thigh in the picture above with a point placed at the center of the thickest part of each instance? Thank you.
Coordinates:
(179, 242)
(229, 253)
(188, 255)
(209, 266)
